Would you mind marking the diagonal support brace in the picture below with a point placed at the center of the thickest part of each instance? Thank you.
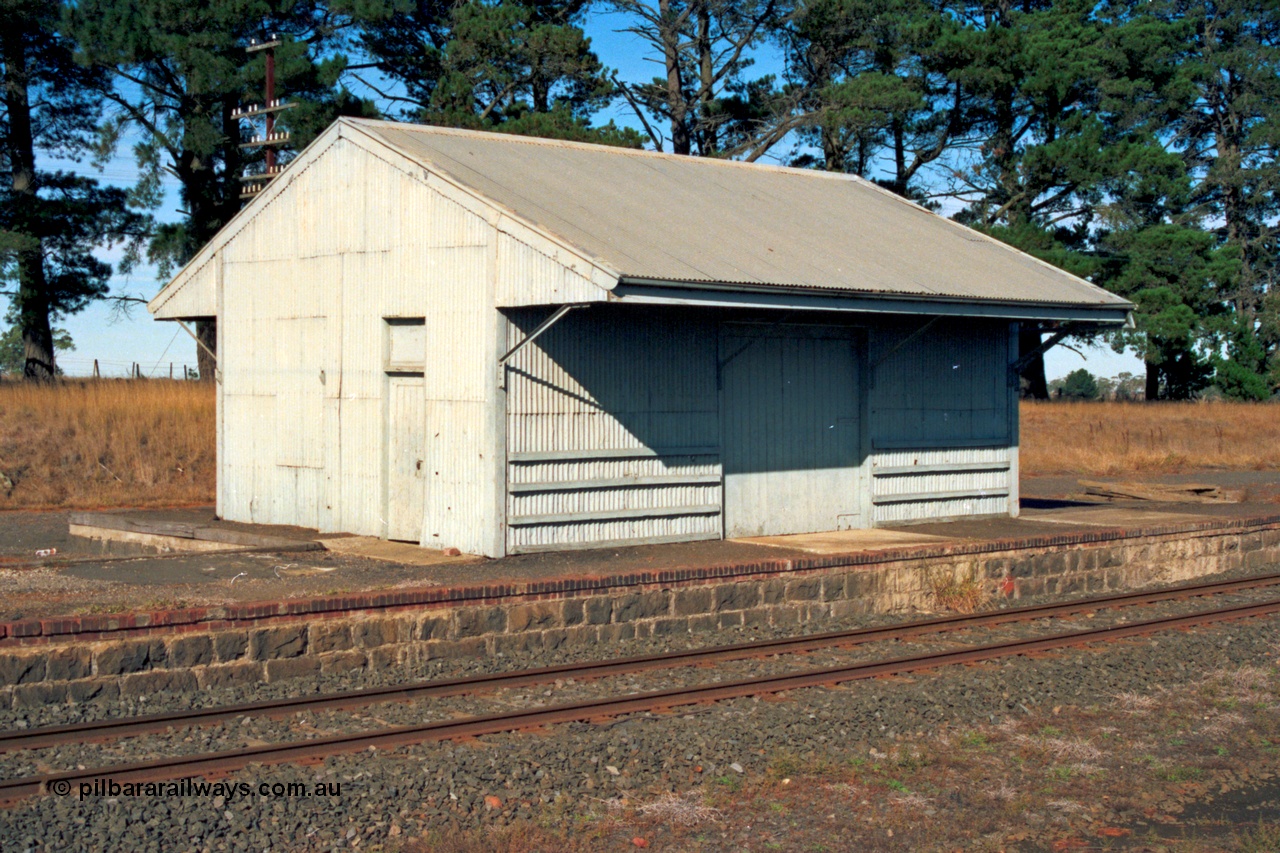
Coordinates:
(1015, 369)
(902, 343)
(538, 330)
(217, 371)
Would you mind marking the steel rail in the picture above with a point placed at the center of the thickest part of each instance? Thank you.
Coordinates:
(167, 769)
(152, 723)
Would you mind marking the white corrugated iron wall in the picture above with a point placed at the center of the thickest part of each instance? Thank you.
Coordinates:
(307, 287)
(526, 276)
(192, 298)
(612, 430)
(942, 435)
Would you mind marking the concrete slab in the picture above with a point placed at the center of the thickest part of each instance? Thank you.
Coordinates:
(1110, 516)
(180, 536)
(403, 553)
(147, 542)
(845, 541)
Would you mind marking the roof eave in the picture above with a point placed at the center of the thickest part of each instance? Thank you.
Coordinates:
(748, 295)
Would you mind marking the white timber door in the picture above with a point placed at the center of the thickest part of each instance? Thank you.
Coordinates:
(405, 436)
(790, 445)
(406, 450)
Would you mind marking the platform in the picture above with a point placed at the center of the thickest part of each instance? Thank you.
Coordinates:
(264, 563)
(79, 626)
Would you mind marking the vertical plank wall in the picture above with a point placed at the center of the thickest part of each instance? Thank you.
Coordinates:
(612, 430)
(943, 439)
(307, 285)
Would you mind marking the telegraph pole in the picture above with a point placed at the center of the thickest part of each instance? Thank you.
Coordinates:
(271, 139)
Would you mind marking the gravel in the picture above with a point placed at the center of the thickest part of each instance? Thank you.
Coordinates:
(388, 796)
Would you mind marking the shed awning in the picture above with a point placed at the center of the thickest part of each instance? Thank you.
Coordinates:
(731, 295)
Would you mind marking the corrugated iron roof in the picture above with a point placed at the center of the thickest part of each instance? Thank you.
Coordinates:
(661, 217)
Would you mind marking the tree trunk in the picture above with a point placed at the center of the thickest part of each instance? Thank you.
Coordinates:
(707, 81)
(541, 96)
(211, 205)
(1028, 340)
(832, 160)
(207, 333)
(1153, 382)
(33, 292)
(899, 156)
(670, 35)
(33, 319)
(1006, 161)
(1237, 228)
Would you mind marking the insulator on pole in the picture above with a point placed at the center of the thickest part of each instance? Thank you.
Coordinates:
(270, 138)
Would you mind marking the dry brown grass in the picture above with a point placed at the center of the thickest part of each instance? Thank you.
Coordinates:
(1132, 438)
(955, 592)
(151, 442)
(107, 443)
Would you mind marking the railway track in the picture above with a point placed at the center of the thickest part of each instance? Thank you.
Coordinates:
(314, 750)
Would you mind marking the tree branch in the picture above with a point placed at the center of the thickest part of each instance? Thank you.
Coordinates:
(383, 94)
(507, 90)
(630, 99)
(140, 117)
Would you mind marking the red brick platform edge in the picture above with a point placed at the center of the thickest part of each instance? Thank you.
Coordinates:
(102, 626)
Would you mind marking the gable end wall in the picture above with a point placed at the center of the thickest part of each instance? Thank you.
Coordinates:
(307, 285)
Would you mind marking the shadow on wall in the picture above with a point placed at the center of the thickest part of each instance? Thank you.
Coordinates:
(608, 377)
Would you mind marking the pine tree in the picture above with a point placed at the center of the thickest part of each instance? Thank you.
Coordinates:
(50, 222)
(1079, 384)
(180, 70)
(707, 104)
(1228, 129)
(516, 66)
(877, 90)
(1060, 115)
(1167, 238)
(1173, 275)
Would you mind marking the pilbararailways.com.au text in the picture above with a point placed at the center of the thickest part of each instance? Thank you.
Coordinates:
(193, 787)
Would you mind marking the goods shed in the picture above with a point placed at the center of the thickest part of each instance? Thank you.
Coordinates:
(504, 344)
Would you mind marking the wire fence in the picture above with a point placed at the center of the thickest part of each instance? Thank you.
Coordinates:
(80, 367)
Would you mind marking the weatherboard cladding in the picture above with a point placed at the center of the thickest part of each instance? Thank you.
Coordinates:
(684, 219)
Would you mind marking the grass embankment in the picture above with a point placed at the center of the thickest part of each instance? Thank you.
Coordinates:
(1108, 439)
(151, 442)
(106, 443)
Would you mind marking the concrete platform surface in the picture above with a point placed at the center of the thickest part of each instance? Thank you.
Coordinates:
(403, 553)
(845, 541)
(1107, 516)
(80, 580)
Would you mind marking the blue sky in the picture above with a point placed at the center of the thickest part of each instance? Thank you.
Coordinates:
(117, 342)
